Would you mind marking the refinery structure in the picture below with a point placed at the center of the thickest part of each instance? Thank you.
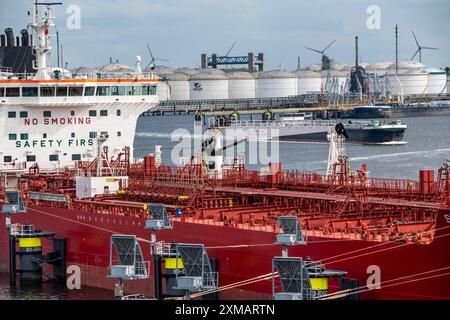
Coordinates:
(412, 78)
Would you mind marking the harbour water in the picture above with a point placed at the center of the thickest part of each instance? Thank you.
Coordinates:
(428, 145)
(49, 291)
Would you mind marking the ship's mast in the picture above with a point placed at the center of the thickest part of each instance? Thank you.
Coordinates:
(41, 20)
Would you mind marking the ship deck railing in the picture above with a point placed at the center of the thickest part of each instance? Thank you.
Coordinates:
(7, 70)
(22, 230)
(166, 249)
(213, 123)
(79, 76)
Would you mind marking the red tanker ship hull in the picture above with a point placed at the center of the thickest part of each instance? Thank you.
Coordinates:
(408, 271)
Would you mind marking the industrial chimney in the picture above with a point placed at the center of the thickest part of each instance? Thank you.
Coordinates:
(25, 37)
(356, 52)
(9, 37)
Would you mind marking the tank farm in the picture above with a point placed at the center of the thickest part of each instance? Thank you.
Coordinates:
(352, 223)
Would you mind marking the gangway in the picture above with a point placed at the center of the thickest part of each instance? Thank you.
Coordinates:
(197, 271)
(128, 262)
(294, 279)
(300, 279)
(291, 235)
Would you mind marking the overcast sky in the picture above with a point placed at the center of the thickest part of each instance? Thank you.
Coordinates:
(180, 30)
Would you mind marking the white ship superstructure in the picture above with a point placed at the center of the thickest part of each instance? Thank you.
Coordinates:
(54, 118)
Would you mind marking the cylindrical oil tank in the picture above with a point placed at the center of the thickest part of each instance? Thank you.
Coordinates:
(308, 82)
(178, 86)
(379, 67)
(274, 84)
(115, 68)
(84, 71)
(408, 82)
(448, 82)
(437, 80)
(241, 85)
(161, 71)
(188, 71)
(211, 84)
(9, 37)
(163, 91)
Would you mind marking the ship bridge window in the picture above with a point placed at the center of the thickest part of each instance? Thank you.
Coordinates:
(92, 135)
(75, 91)
(92, 113)
(31, 158)
(48, 91)
(23, 114)
(89, 91)
(47, 114)
(118, 112)
(103, 91)
(61, 91)
(103, 113)
(76, 157)
(12, 136)
(24, 136)
(12, 114)
(53, 157)
(7, 159)
(118, 90)
(29, 92)
(2, 92)
(134, 90)
(148, 90)
(13, 92)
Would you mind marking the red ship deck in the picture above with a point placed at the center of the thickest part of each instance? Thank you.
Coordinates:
(352, 223)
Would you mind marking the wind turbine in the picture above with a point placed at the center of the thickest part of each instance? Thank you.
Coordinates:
(152, 63)
(326, 61)
(420, 48)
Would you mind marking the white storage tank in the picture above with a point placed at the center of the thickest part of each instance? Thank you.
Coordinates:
(161, 71)
(408, 82)
(241, 85)
(379, 67)
(314, 67)
(448, 82)
(178, 86)
(437, 80)
(188, 71)
(275, 84)
(209, 84)
(84, 71)
(163, 91)
(115, 68)
(308, 81)
(411, 78)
